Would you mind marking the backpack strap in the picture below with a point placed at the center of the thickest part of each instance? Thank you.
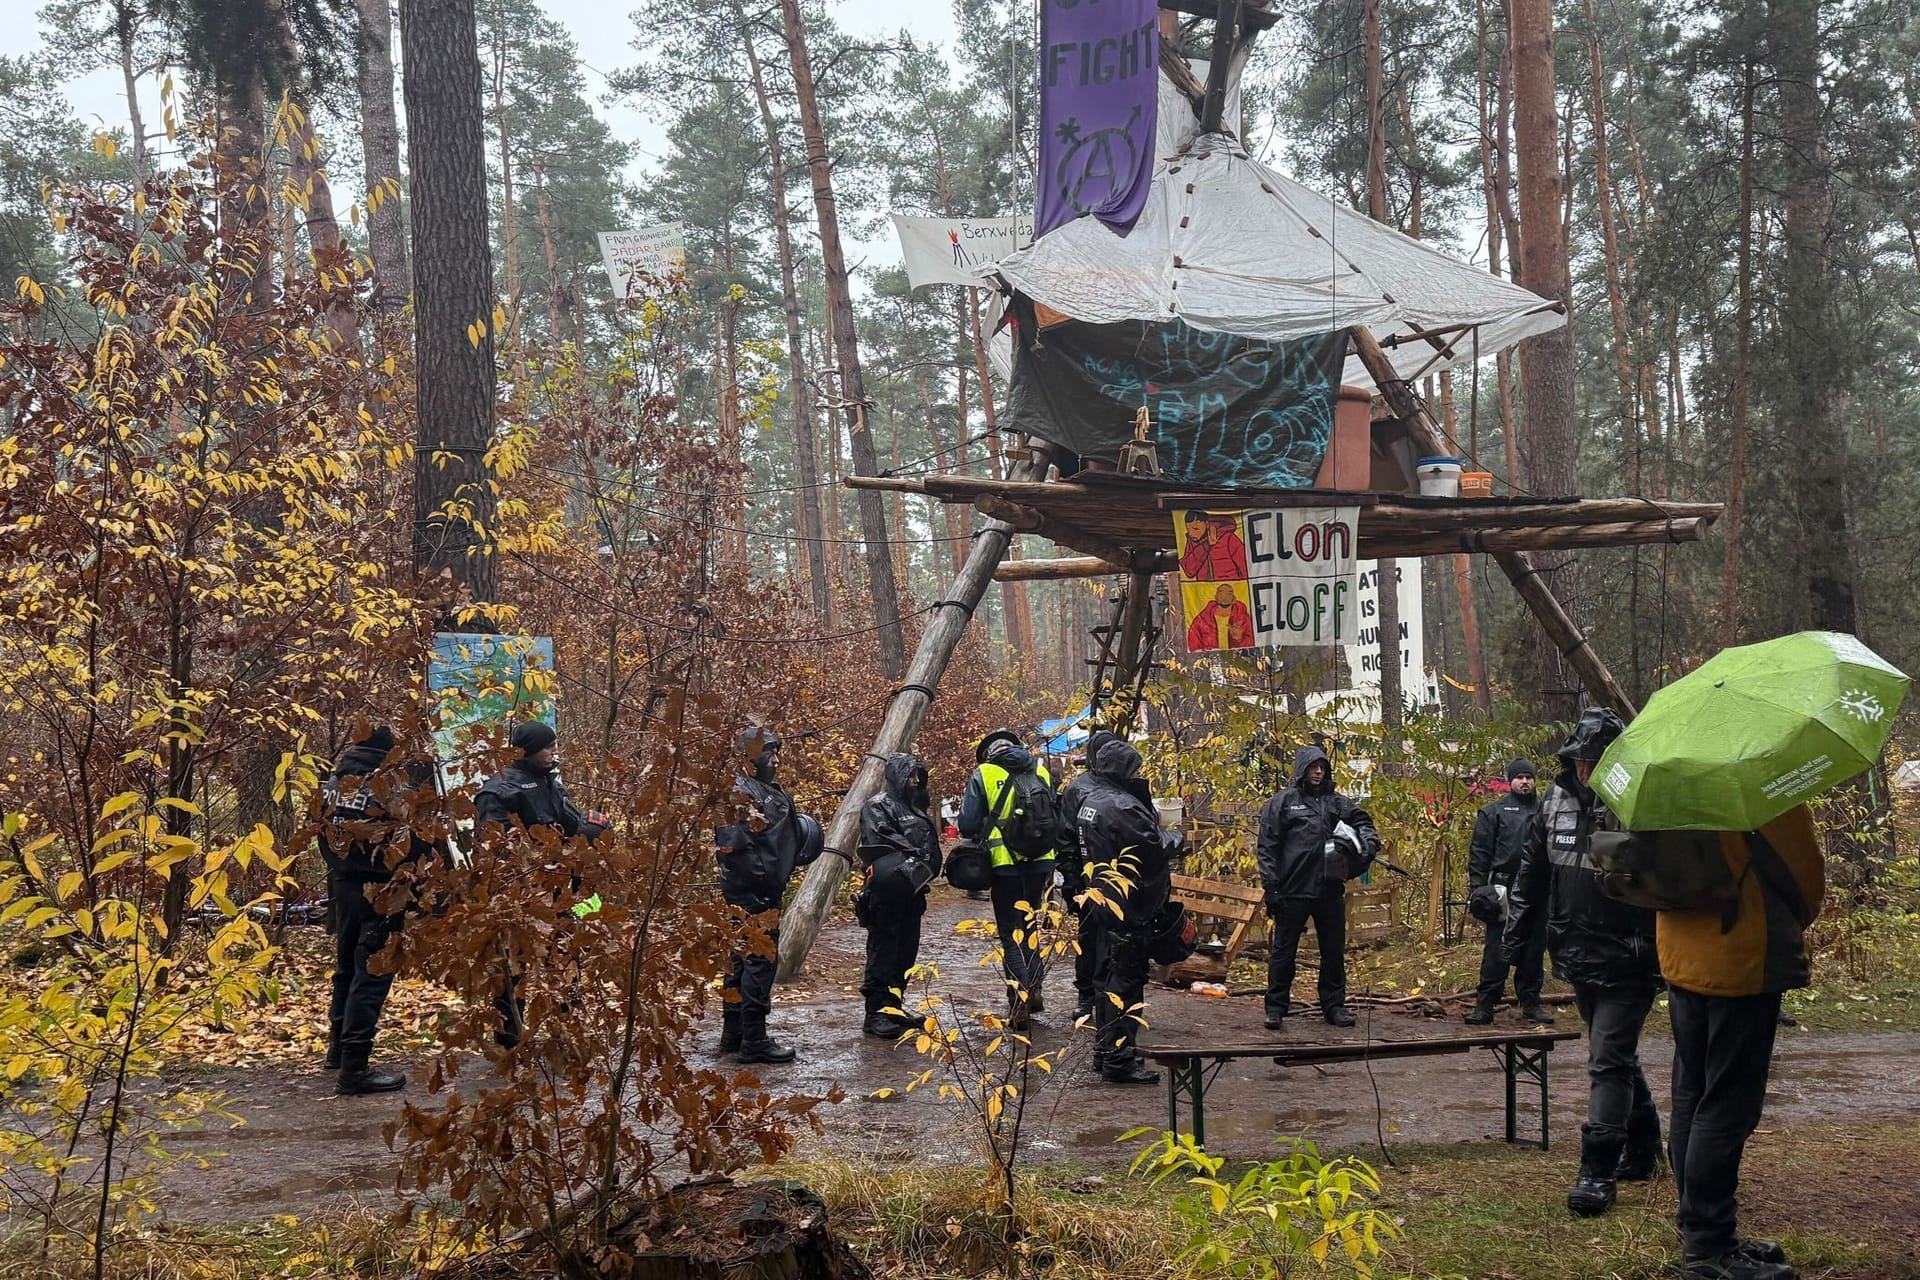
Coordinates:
(1774, 875)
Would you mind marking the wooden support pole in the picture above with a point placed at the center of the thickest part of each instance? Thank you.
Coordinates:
(801, 923)
(1517, 565)
(1562, 631)
(1127, 659)
(1062, 568)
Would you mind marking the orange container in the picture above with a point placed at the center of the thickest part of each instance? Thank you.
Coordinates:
(1476, 484)
(1348, 465)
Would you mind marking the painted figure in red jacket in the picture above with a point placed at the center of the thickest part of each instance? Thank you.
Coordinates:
(1215, 551)
(1225, 617)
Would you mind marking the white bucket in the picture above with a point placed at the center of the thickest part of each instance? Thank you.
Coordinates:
(1171, 812)
(1439, 477)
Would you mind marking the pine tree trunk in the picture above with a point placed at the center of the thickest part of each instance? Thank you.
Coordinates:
(853, 394)
(1737, 427)
(454, 302)
(1392, 698)
(126, 17)
(1546, 361)
(1013, 595)
(807, 500)
(555, 335)
(380, 152)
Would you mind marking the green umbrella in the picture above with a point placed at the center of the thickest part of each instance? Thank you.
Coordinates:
(1753, 732)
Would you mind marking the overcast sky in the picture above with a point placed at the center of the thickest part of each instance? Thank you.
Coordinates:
(602, 31)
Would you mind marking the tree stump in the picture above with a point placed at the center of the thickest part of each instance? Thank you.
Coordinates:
(724, 1230)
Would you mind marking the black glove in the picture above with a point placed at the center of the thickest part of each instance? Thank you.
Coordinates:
(1273, 902)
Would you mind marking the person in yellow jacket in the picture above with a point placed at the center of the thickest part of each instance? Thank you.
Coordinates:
(1726, 980)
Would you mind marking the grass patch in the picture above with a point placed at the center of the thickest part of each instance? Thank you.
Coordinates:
(347, 1243)
(1842, 1198)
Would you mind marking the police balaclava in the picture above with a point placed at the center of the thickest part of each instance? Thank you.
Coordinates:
(918, 793)
(759, 746)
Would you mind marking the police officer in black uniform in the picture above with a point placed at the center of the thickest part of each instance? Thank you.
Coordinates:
(529, 790)
(1073, 876)
(900, 850)
(1493, 860)
(529, 793)
(1312, 841)
(366, 837)
(1605, 948)
(1128, 858)
(758, 854)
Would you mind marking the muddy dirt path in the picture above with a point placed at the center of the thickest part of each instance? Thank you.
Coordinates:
(301, 1145)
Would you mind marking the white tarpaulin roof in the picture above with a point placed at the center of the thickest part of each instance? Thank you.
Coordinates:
(1228, 244)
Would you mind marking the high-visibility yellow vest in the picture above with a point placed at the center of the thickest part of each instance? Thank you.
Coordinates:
(993, 781)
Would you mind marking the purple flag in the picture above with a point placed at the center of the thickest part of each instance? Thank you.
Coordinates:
(1099, 89)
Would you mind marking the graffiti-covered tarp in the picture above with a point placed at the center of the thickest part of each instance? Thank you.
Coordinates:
(480, 683)
(1226, 410)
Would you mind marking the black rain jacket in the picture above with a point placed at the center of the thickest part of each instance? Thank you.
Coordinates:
(1118, 830)
(755, 865)
(355, 848)
(1066, 841)
(536, 797)
(1294, 830)
(1595, 940)
(896, 821)
(1500, 840)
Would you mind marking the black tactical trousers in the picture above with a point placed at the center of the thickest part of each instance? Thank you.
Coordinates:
(1020, 960)
(358, 996)
(1722, 1049)
(1329, 915)
(1122, 986)
(893, 944)
(1086, 965)
(1620, 1107)
(1527, 970)
(752, 977)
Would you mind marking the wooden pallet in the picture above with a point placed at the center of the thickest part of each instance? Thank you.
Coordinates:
(1234, 905)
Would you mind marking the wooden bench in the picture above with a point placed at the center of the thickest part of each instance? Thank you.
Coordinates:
(1192, 1068)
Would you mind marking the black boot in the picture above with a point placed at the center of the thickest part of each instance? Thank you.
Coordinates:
(1338, 1016)
(1637, 1166)
(730, 1029)
(1594, 1189)
(1084, 1009)
(1536, 1012)
(1735, 1265)
(1275, 1021)
(356, 1077)
(756, 1046)
(1480, 1015)
(1760, 1250)
(333, 1047)
(1128, 1070)
(885, 1026)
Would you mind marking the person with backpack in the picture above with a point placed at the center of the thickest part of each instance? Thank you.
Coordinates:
(1603, 947)
(1129, 859)
(758, 853)
(1726, 969)
(364, 839)
(1010, 806)
(1312, 841)
(1074, 882)
(1493, 859)
(900, 850)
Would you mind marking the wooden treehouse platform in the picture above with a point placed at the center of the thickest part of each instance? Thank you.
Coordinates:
(1125, 524)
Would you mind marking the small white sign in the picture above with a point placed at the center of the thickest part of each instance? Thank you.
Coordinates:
(655, 251)
(957, 250)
